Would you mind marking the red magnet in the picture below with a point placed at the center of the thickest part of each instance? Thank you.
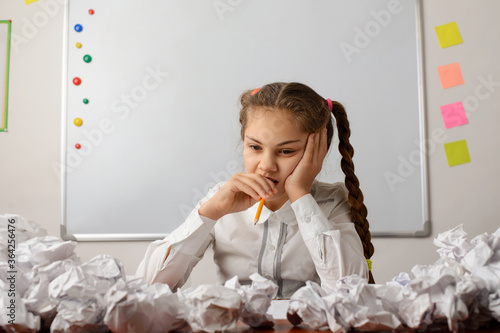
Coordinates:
(77, 81)
(91, 11)
(78, 146)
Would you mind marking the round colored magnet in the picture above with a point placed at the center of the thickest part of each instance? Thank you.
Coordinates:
(87, 58)
(91, 11)
(85, 101)
(78, 146)
(78, 45)
(77, 81)
(78, 27)
(78, 122)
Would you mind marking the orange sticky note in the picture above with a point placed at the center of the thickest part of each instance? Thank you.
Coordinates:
(29, 1)
(450, 75)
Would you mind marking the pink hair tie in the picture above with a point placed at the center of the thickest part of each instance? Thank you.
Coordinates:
(330, 104)
(255, 91)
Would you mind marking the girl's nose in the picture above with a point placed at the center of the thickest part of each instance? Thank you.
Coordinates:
(268, 163)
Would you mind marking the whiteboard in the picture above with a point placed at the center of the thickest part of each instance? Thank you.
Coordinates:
(163, 84)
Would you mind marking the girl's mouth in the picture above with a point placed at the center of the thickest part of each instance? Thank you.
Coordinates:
(273, 180)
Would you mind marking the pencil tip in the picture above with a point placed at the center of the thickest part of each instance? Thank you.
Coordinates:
(255, 221)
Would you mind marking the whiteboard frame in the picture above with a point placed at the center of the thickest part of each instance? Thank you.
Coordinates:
(426, 229)
(89, 237)
(4, 108)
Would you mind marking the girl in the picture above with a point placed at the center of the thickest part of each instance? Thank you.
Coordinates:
(308, 230)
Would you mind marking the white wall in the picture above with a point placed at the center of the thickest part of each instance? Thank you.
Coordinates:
(465, 194)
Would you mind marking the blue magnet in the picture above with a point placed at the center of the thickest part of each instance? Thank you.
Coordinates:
(78, 27)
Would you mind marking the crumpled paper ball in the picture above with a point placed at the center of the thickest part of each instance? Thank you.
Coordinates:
(212, 308)
(79, 294)
(256, 300)
(307, 306)
(461, 289)
(354, 304)
(133, 305)
(15, 316)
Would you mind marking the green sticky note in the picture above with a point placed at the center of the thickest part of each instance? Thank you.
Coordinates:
(457, 152)
(448, 34)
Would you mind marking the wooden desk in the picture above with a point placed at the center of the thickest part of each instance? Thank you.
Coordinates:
(282, 326)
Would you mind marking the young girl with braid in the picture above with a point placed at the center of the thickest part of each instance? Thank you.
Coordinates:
(308, 230)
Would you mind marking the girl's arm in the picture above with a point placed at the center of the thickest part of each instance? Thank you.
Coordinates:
(329, 234)
(172, 259)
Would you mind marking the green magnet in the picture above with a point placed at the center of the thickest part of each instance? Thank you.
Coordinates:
(87, 58)
(85, 101)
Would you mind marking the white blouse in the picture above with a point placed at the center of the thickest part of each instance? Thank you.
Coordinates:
(311, 239)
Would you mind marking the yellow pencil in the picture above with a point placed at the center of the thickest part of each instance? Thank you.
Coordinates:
(259, 210)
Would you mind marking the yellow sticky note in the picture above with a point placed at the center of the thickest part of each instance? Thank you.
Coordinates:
(29, 1)
(457, 152)
(448, 34)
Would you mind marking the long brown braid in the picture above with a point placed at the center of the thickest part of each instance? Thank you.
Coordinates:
(355, 197)
(310, 110)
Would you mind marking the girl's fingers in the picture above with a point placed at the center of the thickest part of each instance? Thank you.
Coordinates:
(316, 147)
(263, 185)
(248, 190)
(255, 186)
(317, 140)
(323, 145)
(309, 152)
(320, 146)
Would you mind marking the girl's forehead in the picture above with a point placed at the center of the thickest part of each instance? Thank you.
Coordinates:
(273, 125)
(267, 114)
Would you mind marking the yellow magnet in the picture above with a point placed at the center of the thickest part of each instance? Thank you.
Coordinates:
(78, 122)
(78, 45)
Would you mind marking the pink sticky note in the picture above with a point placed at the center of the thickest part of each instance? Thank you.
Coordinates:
(454, 115)
(450, 75)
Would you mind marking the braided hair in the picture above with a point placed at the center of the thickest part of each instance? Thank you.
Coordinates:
(312, 113)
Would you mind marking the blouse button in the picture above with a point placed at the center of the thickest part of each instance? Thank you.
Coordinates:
(271, 247)
(186, 232)
(307, 219)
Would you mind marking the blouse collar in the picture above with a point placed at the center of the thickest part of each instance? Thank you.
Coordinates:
(285, 214)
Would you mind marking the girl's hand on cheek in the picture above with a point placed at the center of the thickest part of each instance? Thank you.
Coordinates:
(300, 180)
(241, 192)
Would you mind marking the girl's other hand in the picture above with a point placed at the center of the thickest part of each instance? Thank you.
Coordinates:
(241, 192)
(300, 180)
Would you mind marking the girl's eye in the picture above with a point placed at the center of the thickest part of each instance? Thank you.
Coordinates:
(287, 151)
(254, 147)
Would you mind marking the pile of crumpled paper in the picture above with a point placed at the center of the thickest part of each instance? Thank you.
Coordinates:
(55, 291)
(461, 289)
